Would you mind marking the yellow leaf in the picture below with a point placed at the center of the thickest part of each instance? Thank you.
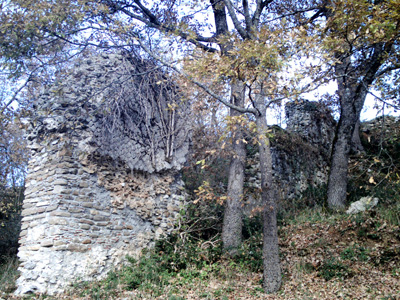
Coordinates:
(201, 162)
(371, 180)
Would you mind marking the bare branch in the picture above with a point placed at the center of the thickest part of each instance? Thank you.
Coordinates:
(387, 70)
(247, 17)
(199, 84)
(257, 14)
(152, 18)
(384, 101)
(243, 33)
(153, 22)
(14, 97)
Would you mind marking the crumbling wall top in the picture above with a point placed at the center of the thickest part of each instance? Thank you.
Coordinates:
(125, 108)
(313, 122)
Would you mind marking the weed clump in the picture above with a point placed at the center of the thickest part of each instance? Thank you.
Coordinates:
(332, 268)
(8, 273)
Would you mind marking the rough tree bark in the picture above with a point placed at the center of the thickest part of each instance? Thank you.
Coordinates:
(353, 85)
(356, 145)
(232, 224)
(351, 105)
(272, 278)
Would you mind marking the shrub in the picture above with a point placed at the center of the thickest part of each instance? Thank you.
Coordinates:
(249, 255)
(332, 268)
(355, 253)
(8, 273)
(147, 273)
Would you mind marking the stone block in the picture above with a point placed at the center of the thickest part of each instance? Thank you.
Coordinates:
(33, 247)
(27, 205)
(41, 210)
(83, 184)
(85, 221)
(29, 211)
(65, 166)
(31, 218)
(43, 203)
(76, 209)
(65, 152)
(60, 248)
(51, 208)
(58, 189)
(85, 199)
(60, 214)
(66, 191)
(101, 218)
(46, 243)
(57, 221)
(58, 243)
(29, 265)
(61, 182)
(102, 223)
(76, 248)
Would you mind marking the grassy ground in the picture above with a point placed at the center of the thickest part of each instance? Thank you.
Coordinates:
(323, 257)
(8, 274)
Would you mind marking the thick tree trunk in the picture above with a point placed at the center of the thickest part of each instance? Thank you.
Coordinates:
(337, 184)
(353, 84)
(351, 100)
(272, 278)
(232, 224)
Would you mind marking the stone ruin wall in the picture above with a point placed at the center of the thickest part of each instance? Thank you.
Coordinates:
(98, 188)
(300, 154)
(313, 122)
(104, 182)
(303, 159)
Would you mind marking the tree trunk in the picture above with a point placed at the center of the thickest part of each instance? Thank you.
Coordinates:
(353, 84)
(337, 184)
(356, 145)
(232, 224)
(272, 278)
(351, 102)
